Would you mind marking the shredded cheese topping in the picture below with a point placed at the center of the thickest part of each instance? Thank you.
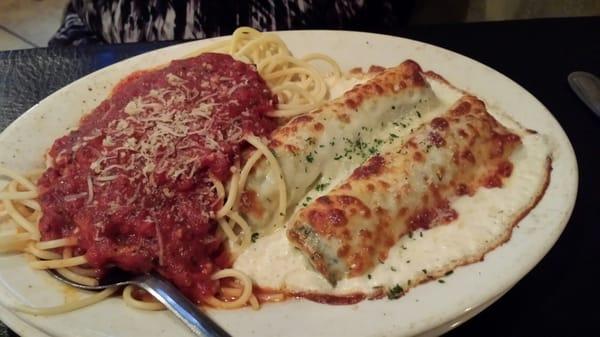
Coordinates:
(164, 133)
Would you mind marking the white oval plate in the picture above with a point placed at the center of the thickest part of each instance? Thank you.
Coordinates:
(428, 309)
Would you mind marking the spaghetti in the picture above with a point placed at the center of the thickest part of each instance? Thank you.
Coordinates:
(299, 87)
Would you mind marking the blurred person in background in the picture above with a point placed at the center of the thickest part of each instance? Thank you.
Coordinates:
(118, 21)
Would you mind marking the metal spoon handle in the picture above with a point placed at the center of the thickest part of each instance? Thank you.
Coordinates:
(184, 309)
(587, 87)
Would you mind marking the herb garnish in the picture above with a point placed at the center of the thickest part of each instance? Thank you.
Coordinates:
(310, 158)
(254, 237)
(395, 292)
(321, 187)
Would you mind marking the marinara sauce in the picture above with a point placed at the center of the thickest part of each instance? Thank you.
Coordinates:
(133, 182)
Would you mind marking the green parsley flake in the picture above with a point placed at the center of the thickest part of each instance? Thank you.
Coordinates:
(254, 237)
(310, 158)
(395, 292)
(321, 187)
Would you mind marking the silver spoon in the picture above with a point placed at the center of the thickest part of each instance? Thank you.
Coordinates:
(162, 290)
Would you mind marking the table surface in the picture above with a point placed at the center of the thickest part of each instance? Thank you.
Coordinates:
(557, 298)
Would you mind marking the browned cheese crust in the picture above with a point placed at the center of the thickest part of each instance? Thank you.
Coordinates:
(348, 231)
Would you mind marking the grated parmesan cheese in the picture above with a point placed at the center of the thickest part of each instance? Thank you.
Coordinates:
(165, 132)
(90, 192)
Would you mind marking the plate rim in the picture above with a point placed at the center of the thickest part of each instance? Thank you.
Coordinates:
(16, 323)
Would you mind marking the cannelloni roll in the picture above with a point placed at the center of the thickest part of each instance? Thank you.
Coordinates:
(339, 136)
(346, 232)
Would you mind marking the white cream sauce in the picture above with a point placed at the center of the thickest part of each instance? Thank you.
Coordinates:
(485, 220)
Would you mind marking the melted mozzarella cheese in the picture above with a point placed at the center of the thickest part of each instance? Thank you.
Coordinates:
(485, 221)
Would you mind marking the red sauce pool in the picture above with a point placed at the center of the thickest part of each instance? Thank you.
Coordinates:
(132, 182)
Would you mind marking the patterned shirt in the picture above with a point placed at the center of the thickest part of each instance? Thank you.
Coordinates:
(117, 21)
